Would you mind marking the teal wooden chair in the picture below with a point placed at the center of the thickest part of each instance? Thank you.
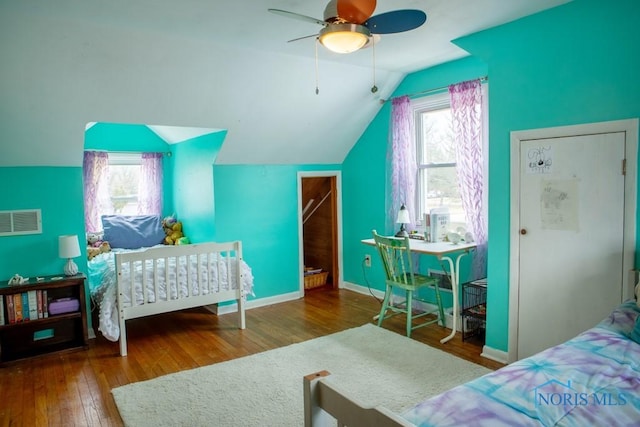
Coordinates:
(397, 262)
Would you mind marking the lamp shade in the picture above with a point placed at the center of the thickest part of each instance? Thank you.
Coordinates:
(68, 246)
(344, 38)
(403, 216)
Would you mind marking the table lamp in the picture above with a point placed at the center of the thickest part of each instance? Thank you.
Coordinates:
(69, 248)
(403, 218)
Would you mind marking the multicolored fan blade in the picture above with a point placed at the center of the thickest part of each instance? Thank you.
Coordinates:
(396, 21)
(356, 11)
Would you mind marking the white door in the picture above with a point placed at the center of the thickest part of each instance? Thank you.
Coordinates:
(571, 241)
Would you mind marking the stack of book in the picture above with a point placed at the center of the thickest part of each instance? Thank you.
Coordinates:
(23, 306)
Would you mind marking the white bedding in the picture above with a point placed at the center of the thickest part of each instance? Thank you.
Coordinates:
(102, 284)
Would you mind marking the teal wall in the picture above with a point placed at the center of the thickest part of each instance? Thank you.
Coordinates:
(193, 185)
(258, 204)
(573, 64)
(123, 137)
(57, 192)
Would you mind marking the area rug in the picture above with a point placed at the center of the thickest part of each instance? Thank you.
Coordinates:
(377, 366)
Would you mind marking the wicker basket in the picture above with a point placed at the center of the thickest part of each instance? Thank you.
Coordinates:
(315, 280)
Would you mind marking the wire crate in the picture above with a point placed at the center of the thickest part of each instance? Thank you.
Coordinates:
(474, 309)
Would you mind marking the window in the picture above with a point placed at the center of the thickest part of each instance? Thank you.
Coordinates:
(124, 176)
(437, 184)
(121, 183)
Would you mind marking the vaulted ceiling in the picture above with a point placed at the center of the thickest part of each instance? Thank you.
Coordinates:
(210, 64)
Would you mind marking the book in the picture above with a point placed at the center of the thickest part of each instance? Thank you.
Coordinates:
(427, 227)
(25, 306)
(439, 219)
(39, 303)
(45, 304)
(2, 321)
(11, 310)
(33, 304)
(17, 307)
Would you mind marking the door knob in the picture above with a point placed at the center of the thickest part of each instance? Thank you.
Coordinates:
(523, 231)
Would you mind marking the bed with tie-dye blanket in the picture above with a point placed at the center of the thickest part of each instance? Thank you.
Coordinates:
(590, 380)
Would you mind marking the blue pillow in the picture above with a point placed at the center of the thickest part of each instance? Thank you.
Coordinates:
(132, 232)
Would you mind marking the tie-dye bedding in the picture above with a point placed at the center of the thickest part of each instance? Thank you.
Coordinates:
(103, 286)
(590, 380)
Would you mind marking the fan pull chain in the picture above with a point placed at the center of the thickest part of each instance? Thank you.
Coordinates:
(374, 88)
(317, 89)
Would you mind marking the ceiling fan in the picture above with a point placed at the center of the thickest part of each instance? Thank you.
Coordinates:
(348, 25)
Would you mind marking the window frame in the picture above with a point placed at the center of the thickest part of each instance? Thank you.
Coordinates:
(438, 101)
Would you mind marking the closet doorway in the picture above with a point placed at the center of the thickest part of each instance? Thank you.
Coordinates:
(319, 230)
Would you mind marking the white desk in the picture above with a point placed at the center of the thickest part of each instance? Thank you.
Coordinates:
(443, 251)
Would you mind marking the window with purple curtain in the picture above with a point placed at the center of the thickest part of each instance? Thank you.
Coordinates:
(150, 186)
(95, 170)
(466, 109)
(402, 156)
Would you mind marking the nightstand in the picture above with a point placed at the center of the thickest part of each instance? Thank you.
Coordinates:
(36, 330)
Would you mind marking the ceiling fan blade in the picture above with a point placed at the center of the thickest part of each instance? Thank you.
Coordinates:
(396, 21)
(297, 16)
(302, 38)
(356, 11)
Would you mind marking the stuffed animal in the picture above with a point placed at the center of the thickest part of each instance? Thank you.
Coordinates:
(94, 239)
(93, 251)
(183, 241)
(169, 221)
(173, 230)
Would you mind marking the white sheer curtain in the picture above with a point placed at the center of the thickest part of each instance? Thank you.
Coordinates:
(466, 110)
(150, 185)
(402, 156)
(95, 170)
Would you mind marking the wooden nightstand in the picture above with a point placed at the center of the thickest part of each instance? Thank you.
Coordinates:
(43, 332)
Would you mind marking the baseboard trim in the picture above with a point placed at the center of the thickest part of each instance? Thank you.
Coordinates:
(425, 306)
(362, 290)
(255, 303)
(494, 354)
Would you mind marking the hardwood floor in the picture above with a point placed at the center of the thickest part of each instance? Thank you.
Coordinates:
(73, 388)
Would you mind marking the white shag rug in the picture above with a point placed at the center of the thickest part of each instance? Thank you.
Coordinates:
(373, 364)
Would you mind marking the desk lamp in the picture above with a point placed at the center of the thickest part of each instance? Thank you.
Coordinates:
(403, 218)
(68, 247)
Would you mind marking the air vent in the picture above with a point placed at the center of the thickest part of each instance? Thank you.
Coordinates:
(15, 223)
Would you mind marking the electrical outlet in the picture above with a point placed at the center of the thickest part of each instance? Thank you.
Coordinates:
(367, 260)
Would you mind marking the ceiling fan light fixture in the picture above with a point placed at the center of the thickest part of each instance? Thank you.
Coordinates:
(344, 38)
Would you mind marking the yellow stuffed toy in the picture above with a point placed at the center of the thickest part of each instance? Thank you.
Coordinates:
(173, 230)
(93, 251)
